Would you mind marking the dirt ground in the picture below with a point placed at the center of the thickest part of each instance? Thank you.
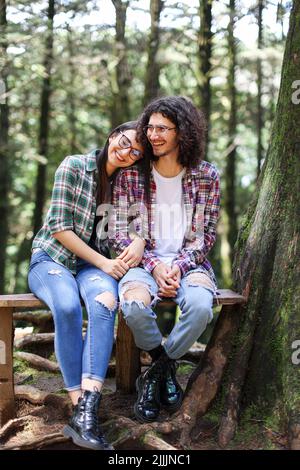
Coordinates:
(41, 422)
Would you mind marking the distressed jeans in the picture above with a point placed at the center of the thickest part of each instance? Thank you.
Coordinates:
(62, 291)
(195, 302)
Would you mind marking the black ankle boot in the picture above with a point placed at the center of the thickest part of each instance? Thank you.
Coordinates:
(84, 428)
(147, 406)
(171, 393)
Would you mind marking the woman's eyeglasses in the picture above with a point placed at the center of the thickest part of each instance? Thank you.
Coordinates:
(125, 143)
(160, 130)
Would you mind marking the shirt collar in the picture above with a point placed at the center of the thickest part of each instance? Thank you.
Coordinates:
(91, 162)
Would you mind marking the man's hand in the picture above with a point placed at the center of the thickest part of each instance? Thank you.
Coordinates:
(114, 267)
(167, 284)
(133, 254)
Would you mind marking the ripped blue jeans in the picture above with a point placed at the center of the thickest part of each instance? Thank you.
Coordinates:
(195, 302)
(62, 291)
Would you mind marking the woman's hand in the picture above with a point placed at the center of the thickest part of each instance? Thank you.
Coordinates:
(114, 267)
(166, 279)
(133, 254)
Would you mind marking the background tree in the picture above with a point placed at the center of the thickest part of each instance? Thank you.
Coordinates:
(205, 52)
(40, 191)
(230, 170)
(260, 7)
(153, 68)
(120, 107)
(4, 143)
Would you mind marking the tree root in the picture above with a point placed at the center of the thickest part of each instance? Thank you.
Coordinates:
(31, 394)
(11, 427)
(37, 362)
(39, 442)
(33, 339)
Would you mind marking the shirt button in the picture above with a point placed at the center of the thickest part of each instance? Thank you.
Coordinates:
(93, 213)
(90, 227)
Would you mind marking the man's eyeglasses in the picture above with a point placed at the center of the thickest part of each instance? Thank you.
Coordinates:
(160, 130)
(125, 143)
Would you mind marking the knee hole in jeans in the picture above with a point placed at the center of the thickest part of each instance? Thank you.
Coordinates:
(138, 291)
(107, 299)
(199, 279)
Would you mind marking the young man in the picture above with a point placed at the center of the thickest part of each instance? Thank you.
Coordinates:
(178, 223)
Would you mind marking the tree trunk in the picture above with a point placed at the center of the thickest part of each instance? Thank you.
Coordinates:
(259, 120)
(120, 106)
(4, 151)
(265, 370)
(153, 69)
(40, 189)
(205, 50)
(71, 95)
(230, 170)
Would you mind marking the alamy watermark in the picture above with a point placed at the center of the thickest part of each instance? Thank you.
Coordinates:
(296, 353)
(296, 94)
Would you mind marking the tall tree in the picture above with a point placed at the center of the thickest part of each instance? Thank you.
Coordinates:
(120, 106)
(265, 368)
(4, 149)
(71, 92)
(153, 68)
(230, 170)
(205, 52)
(40, 187)
(259, 120)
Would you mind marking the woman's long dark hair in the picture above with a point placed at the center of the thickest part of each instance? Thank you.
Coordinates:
(103, 186)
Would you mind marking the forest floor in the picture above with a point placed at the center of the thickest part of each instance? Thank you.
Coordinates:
(43, 421)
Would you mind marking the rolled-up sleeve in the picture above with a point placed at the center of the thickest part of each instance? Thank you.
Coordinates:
(61, 212)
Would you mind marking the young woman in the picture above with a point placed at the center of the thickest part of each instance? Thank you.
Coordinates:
(68, 265)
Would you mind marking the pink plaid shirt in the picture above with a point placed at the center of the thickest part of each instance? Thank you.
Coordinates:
(201, 197)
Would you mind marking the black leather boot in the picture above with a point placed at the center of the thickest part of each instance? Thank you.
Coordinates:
(147, 406)
(84, 428)
(171, 393)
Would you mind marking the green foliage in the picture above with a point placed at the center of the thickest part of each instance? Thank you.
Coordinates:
(83, 92)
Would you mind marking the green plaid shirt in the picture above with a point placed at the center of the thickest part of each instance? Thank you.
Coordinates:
(73, 207)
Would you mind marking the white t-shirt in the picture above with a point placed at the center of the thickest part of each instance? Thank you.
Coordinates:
(170, 219)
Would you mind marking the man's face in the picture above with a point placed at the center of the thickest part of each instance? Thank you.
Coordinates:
(163, 136)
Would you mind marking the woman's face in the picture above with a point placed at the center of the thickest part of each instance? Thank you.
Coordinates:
(123, 151)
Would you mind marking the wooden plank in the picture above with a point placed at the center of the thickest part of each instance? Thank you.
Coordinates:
(20, 300)
(223, 297)
(128, 366)
(7, 401)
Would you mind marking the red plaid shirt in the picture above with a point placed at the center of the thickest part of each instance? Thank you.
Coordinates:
(201, 197)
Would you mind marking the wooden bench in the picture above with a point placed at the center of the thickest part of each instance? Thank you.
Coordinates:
(127, 354)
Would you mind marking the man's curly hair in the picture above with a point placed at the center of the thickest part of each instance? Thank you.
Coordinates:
(190, 123)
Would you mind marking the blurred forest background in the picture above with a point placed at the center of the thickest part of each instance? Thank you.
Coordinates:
(72, 70)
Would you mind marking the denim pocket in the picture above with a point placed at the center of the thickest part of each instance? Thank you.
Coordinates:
(38, 257)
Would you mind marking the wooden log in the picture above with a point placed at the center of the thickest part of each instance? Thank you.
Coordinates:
(127, 358)
(7, 402)
(38, 362)
(204, 383)
(33, 339)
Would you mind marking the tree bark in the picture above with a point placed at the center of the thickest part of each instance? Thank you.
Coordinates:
(230, 170)
(205, 52)
(4, 142)
(40, 187)
(153, 68)
(265, 368)
(120, 106)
